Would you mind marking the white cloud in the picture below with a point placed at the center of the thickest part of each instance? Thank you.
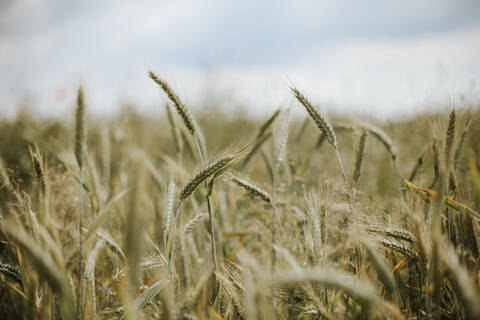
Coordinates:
(371, 58)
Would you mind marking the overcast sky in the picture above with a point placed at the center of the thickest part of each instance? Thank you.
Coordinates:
(374, 57)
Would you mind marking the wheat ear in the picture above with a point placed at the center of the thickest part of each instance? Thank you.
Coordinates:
(217, 166)
(80, 154)
(401, 248)
(327, 130)
(397, 233)
(11, 272)
(360, 156)
(184, 113)
(39, 169)
(450, 136)
(252, 189)
(194, 222)
(181, 109)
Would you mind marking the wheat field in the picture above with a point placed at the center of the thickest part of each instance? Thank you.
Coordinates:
(210, 215)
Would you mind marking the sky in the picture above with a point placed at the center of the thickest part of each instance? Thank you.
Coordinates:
(375, 57)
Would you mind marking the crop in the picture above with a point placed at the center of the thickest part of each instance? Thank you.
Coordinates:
(206, 215)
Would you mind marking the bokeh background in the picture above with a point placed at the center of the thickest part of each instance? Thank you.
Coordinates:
(377, 58)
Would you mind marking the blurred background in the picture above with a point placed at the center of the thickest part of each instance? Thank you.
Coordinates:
(376, 58)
